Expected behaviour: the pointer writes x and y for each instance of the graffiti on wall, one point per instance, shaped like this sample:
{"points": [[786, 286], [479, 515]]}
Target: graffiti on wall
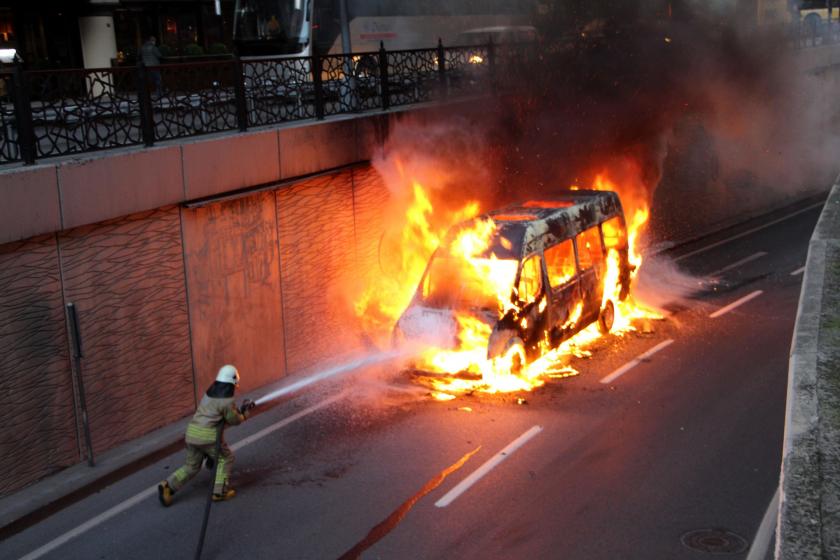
{"points": [[233, 277]]}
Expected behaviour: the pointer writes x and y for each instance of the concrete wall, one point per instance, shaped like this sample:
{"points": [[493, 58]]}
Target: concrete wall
{"points": [[71, 192]]}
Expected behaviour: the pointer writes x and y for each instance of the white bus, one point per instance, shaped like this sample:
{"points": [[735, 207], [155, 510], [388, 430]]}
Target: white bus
{"points": [[305, 27]]}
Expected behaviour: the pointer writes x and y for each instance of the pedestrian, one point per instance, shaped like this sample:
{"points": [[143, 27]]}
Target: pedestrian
{"points": [[216, 410], [150, 56]]}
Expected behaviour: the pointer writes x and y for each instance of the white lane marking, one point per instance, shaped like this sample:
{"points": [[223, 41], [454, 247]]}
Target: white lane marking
{"points": [[736, 303], [492, 463], [137, 498], [636, 361], [798, 271], [748, 232], [91, 523], [736, 264], [761, 541]]}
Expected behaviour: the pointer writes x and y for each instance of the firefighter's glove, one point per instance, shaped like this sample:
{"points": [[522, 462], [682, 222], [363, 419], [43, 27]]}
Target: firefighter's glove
{"points": [[246, 408]]}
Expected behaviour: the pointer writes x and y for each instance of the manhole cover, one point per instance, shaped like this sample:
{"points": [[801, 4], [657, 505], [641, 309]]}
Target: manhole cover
{"points": [[716, 541]]}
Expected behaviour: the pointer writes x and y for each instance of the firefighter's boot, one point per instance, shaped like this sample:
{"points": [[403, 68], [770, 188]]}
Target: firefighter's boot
{"points": [[227, 494], [165, 493]]}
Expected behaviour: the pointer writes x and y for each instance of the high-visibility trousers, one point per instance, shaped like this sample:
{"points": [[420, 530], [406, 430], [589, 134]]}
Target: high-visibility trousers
{"points": [[195, 456]]}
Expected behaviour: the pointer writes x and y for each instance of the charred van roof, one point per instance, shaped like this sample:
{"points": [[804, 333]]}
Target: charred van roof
{"points": [[525, 227]]}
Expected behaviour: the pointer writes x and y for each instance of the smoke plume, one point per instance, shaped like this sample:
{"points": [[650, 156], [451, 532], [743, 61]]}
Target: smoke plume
{"points": [[690, 103]]}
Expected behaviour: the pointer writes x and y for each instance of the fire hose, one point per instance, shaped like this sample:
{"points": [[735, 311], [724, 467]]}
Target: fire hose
{"points": [[217, 448], [247, 405]]}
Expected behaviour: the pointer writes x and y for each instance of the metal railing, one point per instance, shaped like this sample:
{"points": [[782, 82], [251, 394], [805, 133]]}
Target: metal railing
{"points": [[47, 113]]}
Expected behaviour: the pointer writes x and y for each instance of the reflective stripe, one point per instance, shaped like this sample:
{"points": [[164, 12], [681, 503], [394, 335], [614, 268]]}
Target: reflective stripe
{"points": [[201, 433], [221, 477], [180, 474]]}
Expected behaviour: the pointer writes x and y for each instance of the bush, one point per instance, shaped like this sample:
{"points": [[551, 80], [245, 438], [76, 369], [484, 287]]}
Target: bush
{"points": [[217, 48], [193, 50]]}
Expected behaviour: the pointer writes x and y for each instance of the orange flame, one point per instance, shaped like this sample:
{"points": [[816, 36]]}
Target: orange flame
{"points": [[463, 365]]}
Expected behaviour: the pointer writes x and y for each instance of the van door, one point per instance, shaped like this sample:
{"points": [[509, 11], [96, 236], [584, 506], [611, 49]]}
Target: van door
{"points": [[591, 268], [565, 289], [532, 299]]}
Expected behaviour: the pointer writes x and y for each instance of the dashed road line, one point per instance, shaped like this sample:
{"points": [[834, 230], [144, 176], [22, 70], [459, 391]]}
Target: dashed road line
{"points": [[636, 361], [488, 466], [737, 303], [798, 271], [736, 264]]}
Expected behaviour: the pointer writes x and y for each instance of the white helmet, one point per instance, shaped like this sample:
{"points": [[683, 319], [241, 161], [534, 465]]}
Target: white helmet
{"points": [[228, 374]]}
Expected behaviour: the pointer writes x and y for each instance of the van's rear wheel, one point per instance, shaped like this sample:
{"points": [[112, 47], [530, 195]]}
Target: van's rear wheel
{"points": [[606, 318]]}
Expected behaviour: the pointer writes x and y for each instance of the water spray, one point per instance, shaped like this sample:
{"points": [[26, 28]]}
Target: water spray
{"points": [[328, 373]]}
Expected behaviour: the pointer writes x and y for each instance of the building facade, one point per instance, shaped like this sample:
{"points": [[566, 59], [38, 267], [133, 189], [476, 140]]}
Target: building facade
{"points": [[97, 33]]}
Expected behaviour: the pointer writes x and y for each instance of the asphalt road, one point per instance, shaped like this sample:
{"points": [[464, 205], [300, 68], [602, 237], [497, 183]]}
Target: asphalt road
{"points": [[688, 439]]}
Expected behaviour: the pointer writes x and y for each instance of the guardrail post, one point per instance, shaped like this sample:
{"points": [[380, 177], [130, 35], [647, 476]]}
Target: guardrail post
{"points": [[441, 60], [23, 116], [384, 86], [144, 101], [239, 94], [318, 86]]}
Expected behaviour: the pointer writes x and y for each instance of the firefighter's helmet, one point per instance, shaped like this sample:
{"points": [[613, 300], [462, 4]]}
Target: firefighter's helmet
{"points": [[228, 374]]}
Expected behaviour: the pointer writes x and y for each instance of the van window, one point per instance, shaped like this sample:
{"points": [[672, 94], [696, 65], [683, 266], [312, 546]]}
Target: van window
{"points": [[615, 235], [560, 263], [589, 248], [530, 279]]}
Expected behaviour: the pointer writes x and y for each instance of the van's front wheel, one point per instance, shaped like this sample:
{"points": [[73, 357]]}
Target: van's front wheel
{"points": [[606, 317], [507, 351]]}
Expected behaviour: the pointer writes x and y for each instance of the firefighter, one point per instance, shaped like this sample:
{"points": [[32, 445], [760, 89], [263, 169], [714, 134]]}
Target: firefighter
{"points": [[215, 411]]}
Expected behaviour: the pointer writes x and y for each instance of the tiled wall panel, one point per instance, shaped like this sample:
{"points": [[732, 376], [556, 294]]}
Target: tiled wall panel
{"points": [[36, 391], [317, 257], [126, 276], [233, 274], [370, 198]]}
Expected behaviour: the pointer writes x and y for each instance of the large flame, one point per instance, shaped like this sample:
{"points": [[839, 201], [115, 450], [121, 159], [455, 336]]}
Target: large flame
{"points": [[463, 365]]}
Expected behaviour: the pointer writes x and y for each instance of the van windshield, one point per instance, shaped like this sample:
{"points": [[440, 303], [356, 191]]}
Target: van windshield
{"points": [[459, 283]]}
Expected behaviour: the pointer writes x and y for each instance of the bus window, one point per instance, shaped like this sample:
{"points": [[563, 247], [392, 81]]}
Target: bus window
{"points": [[590, 252], [560, 263], [615, 236], [530, 280]]}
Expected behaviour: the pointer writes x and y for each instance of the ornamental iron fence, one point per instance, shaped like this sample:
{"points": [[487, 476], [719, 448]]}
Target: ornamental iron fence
{"points": [[48, 113]]}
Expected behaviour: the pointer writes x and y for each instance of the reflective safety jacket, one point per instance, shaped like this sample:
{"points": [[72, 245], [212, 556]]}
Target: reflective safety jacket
{"points": [[216, 406]]}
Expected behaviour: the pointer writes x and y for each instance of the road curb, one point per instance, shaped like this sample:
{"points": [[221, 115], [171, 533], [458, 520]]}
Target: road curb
{"points": [[799, 530]]}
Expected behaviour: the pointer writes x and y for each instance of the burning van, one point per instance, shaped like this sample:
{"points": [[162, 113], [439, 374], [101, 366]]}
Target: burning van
{"points": [[508, 286]]}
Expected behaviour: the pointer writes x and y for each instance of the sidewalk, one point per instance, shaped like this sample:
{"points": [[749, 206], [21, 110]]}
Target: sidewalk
{"points": [[809, 509]]}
